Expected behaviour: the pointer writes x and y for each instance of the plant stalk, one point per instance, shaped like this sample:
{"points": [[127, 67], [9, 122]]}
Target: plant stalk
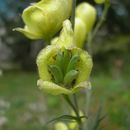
{"points": [[75, 106], [73, 14], [79, 121]]}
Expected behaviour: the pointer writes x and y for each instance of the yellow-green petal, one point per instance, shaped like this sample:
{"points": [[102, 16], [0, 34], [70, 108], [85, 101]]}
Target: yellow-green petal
{"points": [[81, 86], [28, 33], [66, 38], [84, 66], [52, 88], [44, 58]]}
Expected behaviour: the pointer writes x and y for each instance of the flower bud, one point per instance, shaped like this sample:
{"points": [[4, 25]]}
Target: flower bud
{"points": [[60, 126], [44, 19], [80, 32], [99, 1], [87, 14]]}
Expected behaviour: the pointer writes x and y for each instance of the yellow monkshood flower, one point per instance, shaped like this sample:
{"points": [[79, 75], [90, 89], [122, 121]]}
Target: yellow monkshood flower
{"points": [[99, 1], [60, 126], [63, 68], [87, 13], [44, 19]]}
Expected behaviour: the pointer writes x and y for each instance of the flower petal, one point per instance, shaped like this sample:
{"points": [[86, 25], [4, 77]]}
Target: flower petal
{"points": [[44, 58], [66, 38], [84, 66], [52, 88], [80, 86], [28, 33]]}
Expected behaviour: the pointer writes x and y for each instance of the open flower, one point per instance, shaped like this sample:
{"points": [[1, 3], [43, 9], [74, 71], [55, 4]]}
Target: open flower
{"points": [[44, 19], [63, 68]]}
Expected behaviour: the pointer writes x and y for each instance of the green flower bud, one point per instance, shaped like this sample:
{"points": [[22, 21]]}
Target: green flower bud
{"points": [[87, 14], [80, 32], [44, 19], [63, 68], [60, 126], [99, 1]]}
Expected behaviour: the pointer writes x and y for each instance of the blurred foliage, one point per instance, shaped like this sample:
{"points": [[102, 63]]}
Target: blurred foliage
{"points": [[21, 47], [26, 108]]}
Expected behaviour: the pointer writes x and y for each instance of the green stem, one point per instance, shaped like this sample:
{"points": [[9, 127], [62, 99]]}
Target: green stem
{"points": [[73, 14], [75, 101], [99, 24], [75, 110], [71, 104], [76, 104], [88, 101], [74, 107]]}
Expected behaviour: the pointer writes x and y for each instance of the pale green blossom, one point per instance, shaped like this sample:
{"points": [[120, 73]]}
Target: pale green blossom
{"points": [[44, 19], [60, 82]]}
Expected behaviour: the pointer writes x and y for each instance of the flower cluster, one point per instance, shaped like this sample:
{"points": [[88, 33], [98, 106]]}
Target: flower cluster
{"points": [[64, 68]]}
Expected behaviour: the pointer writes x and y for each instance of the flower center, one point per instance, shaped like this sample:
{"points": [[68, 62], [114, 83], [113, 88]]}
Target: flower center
{"points": [[64, 70]]}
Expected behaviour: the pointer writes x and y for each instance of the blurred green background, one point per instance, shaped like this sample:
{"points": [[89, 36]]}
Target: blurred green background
{"points": [[24, 107]]}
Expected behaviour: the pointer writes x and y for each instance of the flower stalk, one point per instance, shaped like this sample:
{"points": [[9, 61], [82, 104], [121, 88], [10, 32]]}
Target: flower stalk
{"points": [[74, 108], [75, 105]]}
